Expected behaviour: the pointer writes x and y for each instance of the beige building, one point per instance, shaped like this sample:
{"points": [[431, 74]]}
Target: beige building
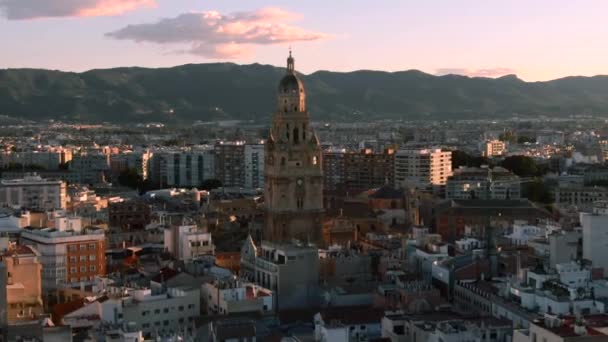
{"points": [[33, 192], [494, 148], [422, 167], [21, 279], [293, 172]]}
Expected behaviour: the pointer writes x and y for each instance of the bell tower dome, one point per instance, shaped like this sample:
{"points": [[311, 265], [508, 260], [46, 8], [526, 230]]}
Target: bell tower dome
{"points": [[292, 96]]}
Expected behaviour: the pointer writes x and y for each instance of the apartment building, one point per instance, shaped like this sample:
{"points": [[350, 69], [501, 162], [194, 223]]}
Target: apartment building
{"points": [[232, 296], [254, 166], [494, 148], [33, 192], [188, 242], [230, 163], [170, 311], [483, 183], [67, 257], [22, 295], [358, 171], [422, 167], [291, 271]]}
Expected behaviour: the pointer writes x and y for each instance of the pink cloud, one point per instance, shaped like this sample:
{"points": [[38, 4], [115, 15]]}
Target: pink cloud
{"points": [[488, 72], [33, 9], [215, 35]]}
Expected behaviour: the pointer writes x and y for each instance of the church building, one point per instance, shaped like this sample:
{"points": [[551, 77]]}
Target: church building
{"points": [[293, 173]]}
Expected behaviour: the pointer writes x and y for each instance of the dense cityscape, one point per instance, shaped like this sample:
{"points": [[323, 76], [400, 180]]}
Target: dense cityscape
{"points": [[306, 231], [323, 171]]}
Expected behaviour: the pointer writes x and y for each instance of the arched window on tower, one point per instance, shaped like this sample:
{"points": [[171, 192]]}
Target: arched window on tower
{"points": [[295, 108], [296, 136], [314, 160], [303, 132], [282, 161]]}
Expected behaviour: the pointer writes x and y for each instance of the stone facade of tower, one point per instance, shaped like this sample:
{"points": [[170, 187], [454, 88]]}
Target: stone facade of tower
{"points": [[293, 173]]}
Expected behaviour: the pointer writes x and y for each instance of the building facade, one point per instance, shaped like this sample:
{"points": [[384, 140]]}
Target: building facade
{"points": [[483, 183], [67, 257], [254, 166], [595, 235], [422, 168], [33, 192]]}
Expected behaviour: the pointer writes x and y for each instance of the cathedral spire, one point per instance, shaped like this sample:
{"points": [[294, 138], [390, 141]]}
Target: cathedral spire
{"points": [[290, 64]]}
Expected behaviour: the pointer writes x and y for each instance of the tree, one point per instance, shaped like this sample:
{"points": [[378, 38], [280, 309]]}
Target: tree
{"points": [[508, 136], [130, 178], [537, 191], [522, 166], [210, 184], [523, 139], [461, 158]]}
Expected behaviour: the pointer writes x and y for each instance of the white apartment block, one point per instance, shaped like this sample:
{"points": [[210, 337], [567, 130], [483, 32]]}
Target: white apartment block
{"points": [[161, 314], [33, 192], [188, 242], [595, 235], [254, 166], [422, 167], [231, 296], [67, 257], [290, 271]]}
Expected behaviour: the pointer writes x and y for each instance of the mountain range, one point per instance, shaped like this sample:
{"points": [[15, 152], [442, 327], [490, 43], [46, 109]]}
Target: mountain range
{"points": [[226, 91]]}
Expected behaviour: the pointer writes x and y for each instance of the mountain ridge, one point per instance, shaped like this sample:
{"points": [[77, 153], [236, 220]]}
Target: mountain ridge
{"points": [[216, 91]]}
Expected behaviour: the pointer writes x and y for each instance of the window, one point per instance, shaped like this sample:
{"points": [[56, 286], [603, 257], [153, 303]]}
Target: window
{"points": [[166, 310], [145, 313], [190, 306], [73, 280], [92, 257], [145, 325], [83, 247], [92, 268], [165, 323], [92, 246], [72, 269], [83, 258], [180, 308], [72, 259], [72, 248], [83, 268]]}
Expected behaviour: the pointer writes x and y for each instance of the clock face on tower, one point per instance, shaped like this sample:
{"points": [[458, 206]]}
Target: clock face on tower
{"points": [[300, 182]]}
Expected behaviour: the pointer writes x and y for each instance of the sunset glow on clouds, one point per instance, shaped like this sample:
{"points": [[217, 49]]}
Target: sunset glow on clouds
{"points": [[489, 72], [33, 9], [214, 35]]}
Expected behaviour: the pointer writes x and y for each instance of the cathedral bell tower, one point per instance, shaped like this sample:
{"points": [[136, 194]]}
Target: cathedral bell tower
{"points": [[293, 173]]}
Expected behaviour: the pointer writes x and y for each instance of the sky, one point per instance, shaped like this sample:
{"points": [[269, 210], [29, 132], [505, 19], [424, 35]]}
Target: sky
{"points": [[535, 39]]}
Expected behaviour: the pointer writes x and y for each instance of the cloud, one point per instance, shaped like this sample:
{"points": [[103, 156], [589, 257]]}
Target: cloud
{"points": [[33, 9], [490, 72], [214, 35]]}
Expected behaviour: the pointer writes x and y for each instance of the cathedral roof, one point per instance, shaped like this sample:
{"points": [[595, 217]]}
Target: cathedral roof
{"points": [[291, 83]]}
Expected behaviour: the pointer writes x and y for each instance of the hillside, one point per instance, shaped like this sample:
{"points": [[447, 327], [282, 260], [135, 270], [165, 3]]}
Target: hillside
{"points": [[229, 91]]}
